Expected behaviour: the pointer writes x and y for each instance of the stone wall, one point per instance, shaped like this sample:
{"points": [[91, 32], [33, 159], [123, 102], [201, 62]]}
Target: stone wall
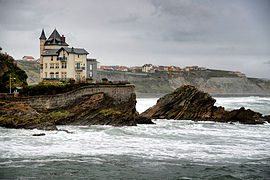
{"points": [[120, 93]]}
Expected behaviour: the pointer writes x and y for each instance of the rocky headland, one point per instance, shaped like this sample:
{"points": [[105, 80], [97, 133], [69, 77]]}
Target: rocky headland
{"points": [[189, 103], [89, 105]]}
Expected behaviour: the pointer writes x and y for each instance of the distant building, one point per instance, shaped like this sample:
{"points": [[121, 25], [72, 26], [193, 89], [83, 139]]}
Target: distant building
{"points": [[147, 68], [28, 58], [239, 74], [59, 61], [189, 68], [109, 68], [201, 68], [91, 69], [135, 69]]}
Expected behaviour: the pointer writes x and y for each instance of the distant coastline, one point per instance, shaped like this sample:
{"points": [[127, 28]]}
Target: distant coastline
{"points": [[218, 83]]}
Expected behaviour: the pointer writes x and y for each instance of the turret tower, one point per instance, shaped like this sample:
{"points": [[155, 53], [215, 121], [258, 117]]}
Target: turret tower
{"points": [[42, 41]]}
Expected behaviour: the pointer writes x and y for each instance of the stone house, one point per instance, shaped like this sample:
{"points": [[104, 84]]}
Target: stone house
{"points": [[60, 62]]}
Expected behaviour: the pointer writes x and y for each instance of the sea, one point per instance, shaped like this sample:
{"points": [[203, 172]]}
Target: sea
{"points": [[170, 149]]}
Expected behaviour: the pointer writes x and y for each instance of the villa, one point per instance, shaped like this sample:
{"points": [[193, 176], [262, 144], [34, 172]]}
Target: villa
{"points": [[60, 62]]}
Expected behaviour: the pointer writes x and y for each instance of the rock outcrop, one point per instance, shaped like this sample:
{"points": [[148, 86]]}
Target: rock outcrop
{"points": [[189, 103], [98, 105]]}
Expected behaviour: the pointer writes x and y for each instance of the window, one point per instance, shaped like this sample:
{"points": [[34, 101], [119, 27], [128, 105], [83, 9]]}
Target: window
{"points": [[91, 67], [90, 74], [56, 65], [52, 75], [78, 65], [64, 65], [51, 58], [45, 74], [46, 66], [78, 56], [51, 66], [64, 75], [57, 75]]}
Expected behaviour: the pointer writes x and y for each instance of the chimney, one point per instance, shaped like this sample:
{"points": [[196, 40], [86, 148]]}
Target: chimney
{"points": [[63, 39]]}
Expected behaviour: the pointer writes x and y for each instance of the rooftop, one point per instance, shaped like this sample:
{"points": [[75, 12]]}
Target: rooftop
{"points": [[54, 39], [55, 52]]}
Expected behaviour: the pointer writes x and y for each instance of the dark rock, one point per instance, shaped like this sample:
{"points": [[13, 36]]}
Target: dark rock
{"points": [[94, 109], [100, 109], [267, 118], [143, 120], [40, 134], [187, 102]]}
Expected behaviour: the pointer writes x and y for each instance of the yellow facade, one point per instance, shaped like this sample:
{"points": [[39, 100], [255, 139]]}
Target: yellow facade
{"points": [[61, 62]]}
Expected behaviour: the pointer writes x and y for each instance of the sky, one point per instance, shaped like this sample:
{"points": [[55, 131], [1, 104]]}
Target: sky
{"points": [[218, 34]]}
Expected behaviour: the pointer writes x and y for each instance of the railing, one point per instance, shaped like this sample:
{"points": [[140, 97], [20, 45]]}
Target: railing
{"points": [[79, 68], [54, 79], [62, 58]]}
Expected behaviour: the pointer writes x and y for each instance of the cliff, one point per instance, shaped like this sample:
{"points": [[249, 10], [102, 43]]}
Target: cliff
{"points": [[31, 69], [211, 81], [189, 103], [89, 105], [214, 82]]}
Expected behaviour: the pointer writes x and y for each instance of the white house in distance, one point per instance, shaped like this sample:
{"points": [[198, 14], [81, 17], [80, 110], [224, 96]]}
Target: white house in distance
{"points": [[60, 62], [147, 68]]}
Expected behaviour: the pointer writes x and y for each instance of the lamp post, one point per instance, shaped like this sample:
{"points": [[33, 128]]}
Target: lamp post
{"points": [[10, 82]]}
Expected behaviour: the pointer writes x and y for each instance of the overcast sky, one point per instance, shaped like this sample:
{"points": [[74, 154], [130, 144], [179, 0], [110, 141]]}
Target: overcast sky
{"points": [[219, 34]]}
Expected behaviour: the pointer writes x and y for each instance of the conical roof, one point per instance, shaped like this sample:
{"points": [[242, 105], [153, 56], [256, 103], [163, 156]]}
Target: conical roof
{"points": [[42, 36]]}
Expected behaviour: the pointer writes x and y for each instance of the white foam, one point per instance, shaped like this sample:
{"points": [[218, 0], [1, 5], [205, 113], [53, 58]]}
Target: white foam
{"points": [[168, 139]]}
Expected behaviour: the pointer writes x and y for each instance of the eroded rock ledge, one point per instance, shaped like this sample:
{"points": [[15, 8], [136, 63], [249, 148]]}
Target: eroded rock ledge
{"points": [[189, 103], [102, 105]]}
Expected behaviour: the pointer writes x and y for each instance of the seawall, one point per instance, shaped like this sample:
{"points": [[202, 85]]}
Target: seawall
{"points": [[88, 105], [119, 93]]}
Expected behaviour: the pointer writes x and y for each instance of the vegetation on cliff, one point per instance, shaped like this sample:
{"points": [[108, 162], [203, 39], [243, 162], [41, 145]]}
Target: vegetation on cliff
{"points": [[9, 68], [189, 103]]}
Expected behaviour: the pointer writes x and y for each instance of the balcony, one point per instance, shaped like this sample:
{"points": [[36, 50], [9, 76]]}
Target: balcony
{"points": [[79, 68], [61, 58]]}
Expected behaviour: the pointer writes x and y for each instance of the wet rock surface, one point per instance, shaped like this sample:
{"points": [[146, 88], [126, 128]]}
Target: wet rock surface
{"points": [[189, 103], [95, 109]]}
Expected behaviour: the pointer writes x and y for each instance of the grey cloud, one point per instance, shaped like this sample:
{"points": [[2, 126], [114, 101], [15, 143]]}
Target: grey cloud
{"points": [[218, 34], [131, 18], [267, 62]]}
